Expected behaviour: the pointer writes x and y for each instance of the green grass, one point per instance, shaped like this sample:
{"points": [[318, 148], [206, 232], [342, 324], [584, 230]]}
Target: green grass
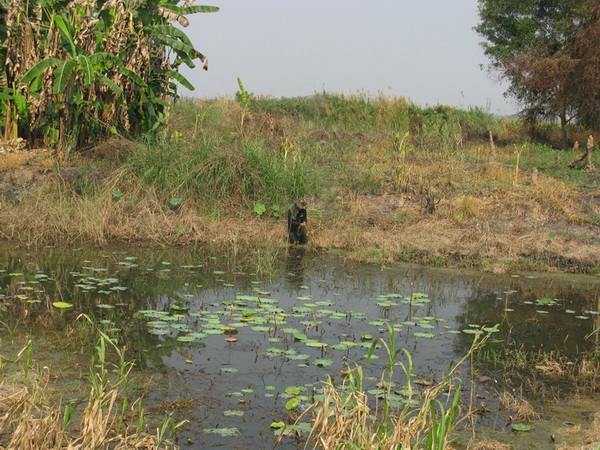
{"points": [[553, 162], [213, 172]]}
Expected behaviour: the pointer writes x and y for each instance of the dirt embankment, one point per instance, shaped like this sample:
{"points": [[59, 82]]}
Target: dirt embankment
{"points": [[498, 230]]}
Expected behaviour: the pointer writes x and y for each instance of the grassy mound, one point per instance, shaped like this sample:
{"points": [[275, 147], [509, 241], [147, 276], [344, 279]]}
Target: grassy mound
{"points": [[383, 178]]}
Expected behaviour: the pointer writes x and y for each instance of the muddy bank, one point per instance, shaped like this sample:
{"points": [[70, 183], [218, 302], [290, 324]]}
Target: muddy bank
{"points": [[530, 227]]}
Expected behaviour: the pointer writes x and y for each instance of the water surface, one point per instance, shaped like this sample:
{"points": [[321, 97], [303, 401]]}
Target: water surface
{"points": [[310, 317]]}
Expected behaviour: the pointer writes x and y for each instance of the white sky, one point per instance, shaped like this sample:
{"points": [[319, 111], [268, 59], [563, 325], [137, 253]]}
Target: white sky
{"points": [[424, 50]]}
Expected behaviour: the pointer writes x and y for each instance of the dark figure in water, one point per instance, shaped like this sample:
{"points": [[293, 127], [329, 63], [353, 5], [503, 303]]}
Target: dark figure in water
{"points": [[297, 224]]}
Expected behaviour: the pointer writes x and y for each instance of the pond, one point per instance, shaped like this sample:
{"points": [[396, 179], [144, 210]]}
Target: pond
{"points": [[227, 348]]}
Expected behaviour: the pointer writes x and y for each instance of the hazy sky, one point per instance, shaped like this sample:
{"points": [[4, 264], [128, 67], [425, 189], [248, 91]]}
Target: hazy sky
{"points": [[424, 50]]}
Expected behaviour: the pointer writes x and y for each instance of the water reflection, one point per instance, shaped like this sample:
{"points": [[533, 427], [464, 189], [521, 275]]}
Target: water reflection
{"points": [[295, 266]]}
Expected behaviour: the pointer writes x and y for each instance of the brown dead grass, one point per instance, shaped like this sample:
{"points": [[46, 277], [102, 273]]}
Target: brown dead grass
{"points": [[500, 228], [490, 444], [517, 406], [31, 419], [593, 433], [420, 211]]}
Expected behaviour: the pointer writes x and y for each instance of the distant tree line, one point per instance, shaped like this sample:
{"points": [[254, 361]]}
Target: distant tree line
{"points": [[76, 71], [549, 51]]}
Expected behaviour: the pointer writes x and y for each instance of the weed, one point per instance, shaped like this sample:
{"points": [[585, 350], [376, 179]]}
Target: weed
{"points": [[244, 98], [518, 406], [466, 208], [360, 159]]}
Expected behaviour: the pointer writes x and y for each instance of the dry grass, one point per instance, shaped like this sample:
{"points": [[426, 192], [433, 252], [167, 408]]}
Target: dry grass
{"points": [[591, 436], [347, 419], [501, 228], [30, 424], [383, 200], [31, 418], [517, 406], [343, 419], [593, 433], [467, 208], [489, 444], [12, 160]]}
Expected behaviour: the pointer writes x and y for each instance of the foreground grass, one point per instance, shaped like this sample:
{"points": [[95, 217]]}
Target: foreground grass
{"points": [[108, 416], [384, 179], [401, 416]]}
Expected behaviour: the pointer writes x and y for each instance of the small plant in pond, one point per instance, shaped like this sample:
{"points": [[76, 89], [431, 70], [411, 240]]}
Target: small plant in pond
{"points": [[520, 427]]}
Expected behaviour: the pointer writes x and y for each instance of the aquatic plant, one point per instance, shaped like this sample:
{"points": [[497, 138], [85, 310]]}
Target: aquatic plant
{"points": [[399, 416]]}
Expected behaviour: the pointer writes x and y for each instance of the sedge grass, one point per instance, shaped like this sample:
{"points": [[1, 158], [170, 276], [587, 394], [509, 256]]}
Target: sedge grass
{"points": [[213, 172]]}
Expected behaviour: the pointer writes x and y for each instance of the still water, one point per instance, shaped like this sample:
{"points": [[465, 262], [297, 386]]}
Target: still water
{"points": [[226, 345]]}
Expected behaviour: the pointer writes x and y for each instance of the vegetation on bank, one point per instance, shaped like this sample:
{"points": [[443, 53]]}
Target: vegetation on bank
{"points": [[383, 178], [548, 55]]}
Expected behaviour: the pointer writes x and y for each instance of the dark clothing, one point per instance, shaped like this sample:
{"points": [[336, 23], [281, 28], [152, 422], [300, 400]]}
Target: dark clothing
{"points": [[297, 225]]}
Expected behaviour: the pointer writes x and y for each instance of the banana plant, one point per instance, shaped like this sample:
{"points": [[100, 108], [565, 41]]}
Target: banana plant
{"points": [[111, 65]]}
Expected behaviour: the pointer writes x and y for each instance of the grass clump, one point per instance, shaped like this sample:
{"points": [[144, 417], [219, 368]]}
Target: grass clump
{"points": [[214, 173]]}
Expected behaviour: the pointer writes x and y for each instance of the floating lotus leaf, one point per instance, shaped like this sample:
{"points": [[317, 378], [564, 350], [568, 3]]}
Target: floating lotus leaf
{"points": [[321, 362], [520, 427], [424, 335], [62, 305]]}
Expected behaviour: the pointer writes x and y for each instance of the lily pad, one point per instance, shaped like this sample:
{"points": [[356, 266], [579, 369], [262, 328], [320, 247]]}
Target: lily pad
{"points": [[225, 432], [62, 305], [520, 427], [292, 404], [321, 362], [424, 335]]}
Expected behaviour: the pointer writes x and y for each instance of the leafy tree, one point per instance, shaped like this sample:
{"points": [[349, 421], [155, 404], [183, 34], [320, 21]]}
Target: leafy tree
{"points": [[542, 47], [77, 71]]}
